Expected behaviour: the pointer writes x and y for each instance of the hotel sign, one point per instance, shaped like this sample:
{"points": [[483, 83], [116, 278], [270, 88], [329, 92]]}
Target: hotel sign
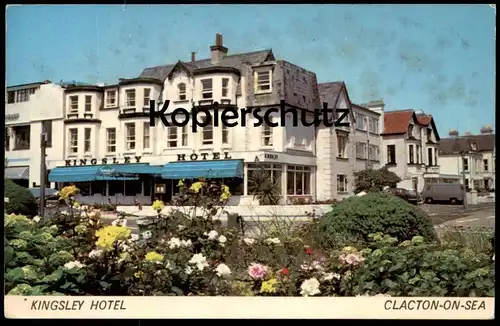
{"points": [[104, 161], [203, 156]]}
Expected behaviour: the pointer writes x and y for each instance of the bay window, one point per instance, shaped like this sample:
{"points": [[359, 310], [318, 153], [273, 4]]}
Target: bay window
{"points": [[298, 180]]}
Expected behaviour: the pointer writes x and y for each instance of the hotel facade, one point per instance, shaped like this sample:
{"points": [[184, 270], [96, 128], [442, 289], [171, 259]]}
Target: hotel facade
{"points": [[102, 141]]}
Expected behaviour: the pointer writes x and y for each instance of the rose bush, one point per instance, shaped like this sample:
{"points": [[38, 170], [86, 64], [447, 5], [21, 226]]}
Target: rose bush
{"points": [[189, 252]]}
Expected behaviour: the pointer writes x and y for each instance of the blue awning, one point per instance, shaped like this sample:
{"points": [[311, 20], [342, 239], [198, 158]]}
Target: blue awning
{"points": [[17, 173], [215, 169], [102, 172]]}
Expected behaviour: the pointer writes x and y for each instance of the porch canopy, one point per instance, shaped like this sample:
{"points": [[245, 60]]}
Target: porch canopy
{"points": [[215, 169], [102, 172]]}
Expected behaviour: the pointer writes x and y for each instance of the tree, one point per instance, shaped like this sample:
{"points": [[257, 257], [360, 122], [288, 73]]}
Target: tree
{"points": [[375, 180]]}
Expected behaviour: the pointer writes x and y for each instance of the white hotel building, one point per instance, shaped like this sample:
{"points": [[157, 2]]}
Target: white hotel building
{"points": [[101, 139]]}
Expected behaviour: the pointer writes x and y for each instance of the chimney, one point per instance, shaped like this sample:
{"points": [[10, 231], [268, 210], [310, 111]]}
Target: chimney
{"points": [[218, 50], [467, 134], [453, 133], [193, 56]]}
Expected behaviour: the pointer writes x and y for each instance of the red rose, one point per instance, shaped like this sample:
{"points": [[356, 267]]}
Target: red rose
{"points": [[309, 250], [284, 271]]}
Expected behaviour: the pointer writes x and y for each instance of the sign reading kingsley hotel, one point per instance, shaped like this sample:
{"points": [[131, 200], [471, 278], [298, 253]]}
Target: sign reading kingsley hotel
{"points": [[104, 161]]}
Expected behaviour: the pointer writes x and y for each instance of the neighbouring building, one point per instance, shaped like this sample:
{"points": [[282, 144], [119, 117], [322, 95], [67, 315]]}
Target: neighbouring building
{"points": [[469, 158], [342, 151], [410, 148], [30, 110]]}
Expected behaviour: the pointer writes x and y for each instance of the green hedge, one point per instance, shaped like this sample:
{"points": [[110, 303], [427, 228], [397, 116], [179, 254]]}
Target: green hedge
{"points": [[356, 217], [21, 200]]}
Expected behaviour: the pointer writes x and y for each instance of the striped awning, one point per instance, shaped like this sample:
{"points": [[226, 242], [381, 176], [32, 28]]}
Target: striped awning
{"points": [[17, 172]]}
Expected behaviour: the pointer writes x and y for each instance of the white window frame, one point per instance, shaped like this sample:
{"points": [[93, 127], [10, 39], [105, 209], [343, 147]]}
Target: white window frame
{"points": [[360, 122], [172, 137], [148, 97], [88, 103], [22, 95], [205, 141], [73, 104], [358, 146], [342, 185], [306, 172], [266, 135], [184, 136], [486, 165], [130, 141], [111, 98], [225, 134], [225, 87], [111, 140], [73, 141], [146, 136], [373, 153], [263, 85], [465, 160], [207, 88], [87, 140], [129, 101], [342, 150], [181, 92]]}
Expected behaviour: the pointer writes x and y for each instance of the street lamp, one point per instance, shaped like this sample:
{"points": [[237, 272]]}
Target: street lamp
{"points": [[463, 150]]}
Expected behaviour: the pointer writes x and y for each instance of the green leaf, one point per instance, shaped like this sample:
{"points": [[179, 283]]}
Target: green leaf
{"points": [[8, 252]]}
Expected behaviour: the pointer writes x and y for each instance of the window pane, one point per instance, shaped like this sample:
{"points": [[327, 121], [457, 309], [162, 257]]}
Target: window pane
{"points": [[290, 183]]}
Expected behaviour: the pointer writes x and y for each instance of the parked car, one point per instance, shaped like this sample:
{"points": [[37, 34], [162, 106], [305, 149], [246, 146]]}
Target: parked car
{"points": [[410, 196], [453, 193]]}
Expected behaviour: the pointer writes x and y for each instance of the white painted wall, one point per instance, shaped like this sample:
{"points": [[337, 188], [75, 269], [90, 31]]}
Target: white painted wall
{"points": [[45, 104]]}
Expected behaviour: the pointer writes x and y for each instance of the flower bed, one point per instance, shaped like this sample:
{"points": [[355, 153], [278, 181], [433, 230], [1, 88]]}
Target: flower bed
{"points": [[188, 253]]}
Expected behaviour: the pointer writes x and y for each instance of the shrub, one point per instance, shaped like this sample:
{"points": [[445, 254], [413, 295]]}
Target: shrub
{"points": [[21, 200], [375, 180], [264, 189], [357, 217]]}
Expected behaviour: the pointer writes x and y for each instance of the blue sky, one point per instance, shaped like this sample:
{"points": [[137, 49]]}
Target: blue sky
{"points": [[435, 58]]}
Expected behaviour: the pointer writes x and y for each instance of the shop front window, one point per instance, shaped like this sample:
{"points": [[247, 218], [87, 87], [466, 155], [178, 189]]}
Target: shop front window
{"points": [[298, 180]]}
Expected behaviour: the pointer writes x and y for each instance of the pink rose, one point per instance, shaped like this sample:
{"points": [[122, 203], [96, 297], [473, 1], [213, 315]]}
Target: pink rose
{"points": [[352, 259], [257, 271]]}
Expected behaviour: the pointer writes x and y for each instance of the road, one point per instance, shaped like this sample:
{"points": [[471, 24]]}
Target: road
{"points": [[482, 215]]}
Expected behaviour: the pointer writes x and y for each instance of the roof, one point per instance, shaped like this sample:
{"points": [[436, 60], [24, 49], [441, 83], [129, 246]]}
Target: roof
{"points": [[231, 61], [329, 92], [34, 84], [396, 122], [424, 119], [450, 146]]}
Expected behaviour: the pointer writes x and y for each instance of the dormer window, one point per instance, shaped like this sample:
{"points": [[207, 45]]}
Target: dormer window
{"points": [[181, 91], [130, 96], [73, 104], [206, 88], [111, 98], [262, 81], [473, 146], [410, 131]]}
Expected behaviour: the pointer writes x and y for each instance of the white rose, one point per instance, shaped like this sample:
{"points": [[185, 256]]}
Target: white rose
{"points": [[174, 243], [272, 241], [181, 227], [188, 270], [249, 241], [6, 199], [212, 235], [186, 243], [310, 287], [147, 235], [36, 219], [222, 239], [73, 264], [222, 270], [96, 253], [199, 260]]}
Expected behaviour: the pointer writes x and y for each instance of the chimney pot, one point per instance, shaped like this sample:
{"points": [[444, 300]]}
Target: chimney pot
{"points": [[218, 39], [193, 56]]}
